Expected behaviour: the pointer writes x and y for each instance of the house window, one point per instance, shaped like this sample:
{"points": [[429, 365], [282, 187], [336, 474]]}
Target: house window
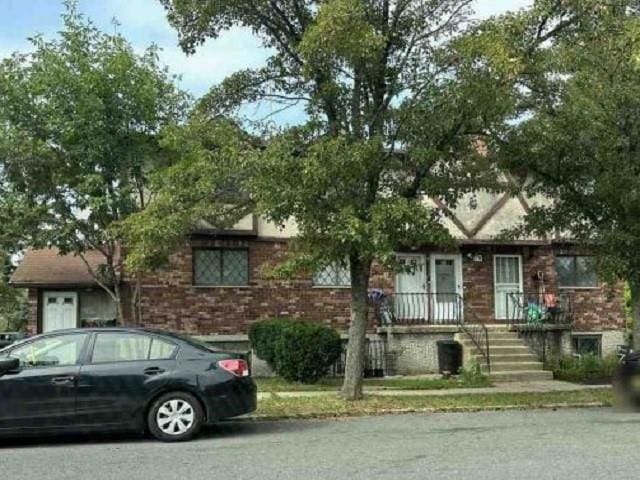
{"points": [[333, 275], [587, 345], [220, 267], [576, 271]]}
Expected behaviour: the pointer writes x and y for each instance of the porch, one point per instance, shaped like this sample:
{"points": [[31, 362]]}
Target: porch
{"points": [[522, 309], [512, 347]]}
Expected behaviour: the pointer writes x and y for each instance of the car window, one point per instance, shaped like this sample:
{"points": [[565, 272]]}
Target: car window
{"points": [[120, 347], [161, 349], [54, 351]]}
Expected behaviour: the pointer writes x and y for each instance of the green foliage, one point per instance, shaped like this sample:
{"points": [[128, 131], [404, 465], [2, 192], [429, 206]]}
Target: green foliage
{"points": [[13, 302], [81, 116], [472, 375], [394, 110], [576, 91], [205, 188], [584, 369], [298, 351], [263, 336], [341, 35], [304, 352]]}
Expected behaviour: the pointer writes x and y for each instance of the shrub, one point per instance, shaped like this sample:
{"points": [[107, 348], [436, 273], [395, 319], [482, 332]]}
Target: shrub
{"points": [[584, 369], [472, 375], [304, 352], [263, 336]]}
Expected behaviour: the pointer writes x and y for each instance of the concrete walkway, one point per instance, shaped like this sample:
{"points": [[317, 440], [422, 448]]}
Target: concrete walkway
{"points": [[546, 386]]}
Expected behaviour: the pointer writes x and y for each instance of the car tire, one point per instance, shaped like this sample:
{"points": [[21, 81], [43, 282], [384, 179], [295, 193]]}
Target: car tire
{"points": [[175, 417]]}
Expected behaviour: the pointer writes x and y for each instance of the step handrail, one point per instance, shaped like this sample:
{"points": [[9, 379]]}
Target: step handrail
{"points": [[477, 332]]}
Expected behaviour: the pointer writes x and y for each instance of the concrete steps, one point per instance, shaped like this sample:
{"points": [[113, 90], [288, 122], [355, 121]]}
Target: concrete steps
{"points": [[511, 359]]}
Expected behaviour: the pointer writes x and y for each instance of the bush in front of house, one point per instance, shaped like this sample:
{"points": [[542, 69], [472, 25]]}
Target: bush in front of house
{"points": [[263, 336], [296, 350], [584, 369], [305, 352]]}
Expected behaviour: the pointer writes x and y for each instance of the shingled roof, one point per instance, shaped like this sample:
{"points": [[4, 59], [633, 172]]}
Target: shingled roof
{"points": [[47, 268]]}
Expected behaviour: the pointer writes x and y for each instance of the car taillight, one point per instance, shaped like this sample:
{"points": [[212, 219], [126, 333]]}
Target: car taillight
{"points": [[236, 366]]}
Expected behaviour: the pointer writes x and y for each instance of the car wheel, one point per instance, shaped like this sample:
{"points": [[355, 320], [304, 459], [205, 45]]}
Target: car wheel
{"points": [[175, 417]]}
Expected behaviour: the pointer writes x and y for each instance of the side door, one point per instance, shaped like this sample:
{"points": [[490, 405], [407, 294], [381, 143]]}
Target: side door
{"points": [[42, 393], [122, 372], [60, 311]]}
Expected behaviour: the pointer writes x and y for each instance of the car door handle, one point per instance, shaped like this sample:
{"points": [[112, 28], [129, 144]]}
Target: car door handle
{"points": [[64, 381], [153, 371]]}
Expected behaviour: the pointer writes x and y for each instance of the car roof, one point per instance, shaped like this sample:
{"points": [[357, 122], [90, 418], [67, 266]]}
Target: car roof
{"points": [[108, 329]]}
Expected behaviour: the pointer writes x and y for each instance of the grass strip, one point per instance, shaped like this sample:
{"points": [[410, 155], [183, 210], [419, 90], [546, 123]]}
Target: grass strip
{"points": [[333, 384], [333, 407]]}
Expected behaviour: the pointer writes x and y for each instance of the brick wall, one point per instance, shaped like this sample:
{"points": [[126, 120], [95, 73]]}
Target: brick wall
{"points": [[596, 309], [171, 301], [32, 316]]}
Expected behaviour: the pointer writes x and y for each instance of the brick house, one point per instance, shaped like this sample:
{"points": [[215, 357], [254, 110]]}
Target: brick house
{"points": [[214, 287]]}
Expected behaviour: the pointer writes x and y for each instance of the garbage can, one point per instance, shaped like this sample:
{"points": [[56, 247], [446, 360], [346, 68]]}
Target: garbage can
{"points": [[449, 356]]}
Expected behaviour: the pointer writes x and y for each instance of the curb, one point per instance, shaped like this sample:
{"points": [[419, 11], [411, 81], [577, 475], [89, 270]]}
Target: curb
{"points": [[402, 411]]}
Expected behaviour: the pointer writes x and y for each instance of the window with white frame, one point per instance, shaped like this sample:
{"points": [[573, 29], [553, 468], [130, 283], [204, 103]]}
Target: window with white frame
{"points": [[333, 275], [220, 267], [576, 271]]}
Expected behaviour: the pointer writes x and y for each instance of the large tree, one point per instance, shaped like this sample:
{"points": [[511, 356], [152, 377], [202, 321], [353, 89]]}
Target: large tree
{"points": [[392, 113], [79, 121], [577, 141]]}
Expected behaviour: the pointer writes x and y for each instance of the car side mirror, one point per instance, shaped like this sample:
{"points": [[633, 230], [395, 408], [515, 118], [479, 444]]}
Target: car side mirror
{"points": [[9, 365]]}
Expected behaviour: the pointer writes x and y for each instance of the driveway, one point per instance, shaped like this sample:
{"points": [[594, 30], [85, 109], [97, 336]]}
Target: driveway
{"points": [[595, 443]]}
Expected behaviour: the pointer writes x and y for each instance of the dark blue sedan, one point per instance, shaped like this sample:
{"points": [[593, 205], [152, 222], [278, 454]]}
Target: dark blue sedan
{"points": [[120, 379]]}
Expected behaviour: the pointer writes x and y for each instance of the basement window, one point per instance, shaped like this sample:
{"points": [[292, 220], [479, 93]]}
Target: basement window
{"points": [[587, 345]]}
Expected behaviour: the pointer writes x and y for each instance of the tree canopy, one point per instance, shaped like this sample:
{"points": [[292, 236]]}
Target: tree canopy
{"points": [[79, 122], [394, 110], [576, 95]]}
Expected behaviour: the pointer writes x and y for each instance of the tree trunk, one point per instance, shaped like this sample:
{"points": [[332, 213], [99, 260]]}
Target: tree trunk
{"points": [[354, 369], [634, 288], [120, 305], [136, 302]]}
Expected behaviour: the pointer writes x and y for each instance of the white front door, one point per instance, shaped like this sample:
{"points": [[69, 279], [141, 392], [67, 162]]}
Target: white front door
{"points": [[507, 272], [60, 311], [446, 287], [411, 302]]}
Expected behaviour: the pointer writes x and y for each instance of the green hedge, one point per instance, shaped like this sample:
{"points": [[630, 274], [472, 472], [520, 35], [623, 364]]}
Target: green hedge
{"points": [[297, 351], [263, 336], [584, 369]]}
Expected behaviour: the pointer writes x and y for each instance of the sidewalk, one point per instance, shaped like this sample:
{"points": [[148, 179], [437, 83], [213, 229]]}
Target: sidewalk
{"points": [[510, 387]]}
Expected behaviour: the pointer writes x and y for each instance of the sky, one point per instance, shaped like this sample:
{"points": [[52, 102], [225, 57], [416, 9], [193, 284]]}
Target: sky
{"points": [[143, 22]]}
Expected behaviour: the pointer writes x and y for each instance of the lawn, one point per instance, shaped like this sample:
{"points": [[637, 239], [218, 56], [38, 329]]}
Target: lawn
{"points": [[331, 384], [329, 406]]}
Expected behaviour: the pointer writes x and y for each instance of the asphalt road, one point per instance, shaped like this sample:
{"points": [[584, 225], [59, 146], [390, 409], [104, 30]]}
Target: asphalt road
{"points": [[565, 444]]}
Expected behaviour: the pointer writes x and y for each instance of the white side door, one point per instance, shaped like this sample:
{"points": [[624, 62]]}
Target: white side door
{"points": [[507, 274], [60, 311], [446, 287], [410, 303]]}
